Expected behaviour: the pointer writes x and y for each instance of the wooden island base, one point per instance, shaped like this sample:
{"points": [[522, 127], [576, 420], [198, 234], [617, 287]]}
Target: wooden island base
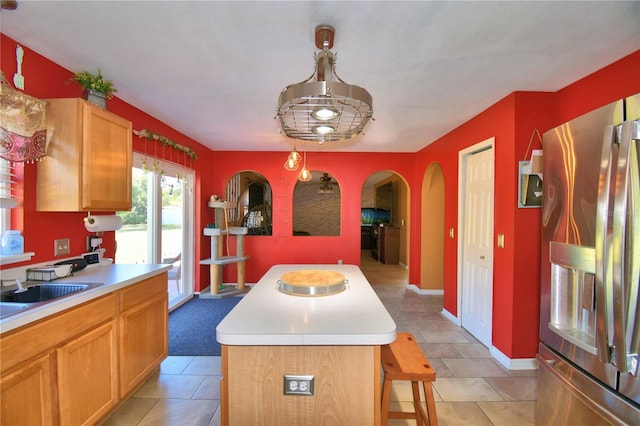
{"points": [[347, 385]]}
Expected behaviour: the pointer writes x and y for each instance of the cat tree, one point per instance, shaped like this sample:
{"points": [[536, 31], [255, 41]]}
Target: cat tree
{"points": [[217, 260]]}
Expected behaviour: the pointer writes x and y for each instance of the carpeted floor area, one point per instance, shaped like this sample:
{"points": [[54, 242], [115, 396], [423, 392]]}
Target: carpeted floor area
{"points": [[192, 327]]}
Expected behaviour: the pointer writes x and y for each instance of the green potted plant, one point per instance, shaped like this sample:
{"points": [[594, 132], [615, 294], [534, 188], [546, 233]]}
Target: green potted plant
{"points": [[95, 88]]}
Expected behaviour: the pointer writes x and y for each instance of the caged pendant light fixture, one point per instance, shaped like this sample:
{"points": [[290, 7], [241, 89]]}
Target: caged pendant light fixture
{"points": [[324, 108]]}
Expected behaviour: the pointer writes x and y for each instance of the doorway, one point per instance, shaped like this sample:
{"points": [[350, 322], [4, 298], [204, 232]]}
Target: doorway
{"points": [[159, 227], [475, 242], [385, 200]]}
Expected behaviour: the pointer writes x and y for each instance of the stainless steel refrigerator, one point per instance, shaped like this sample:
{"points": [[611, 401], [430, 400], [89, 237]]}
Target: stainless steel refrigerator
{"points": [[589, 314]]}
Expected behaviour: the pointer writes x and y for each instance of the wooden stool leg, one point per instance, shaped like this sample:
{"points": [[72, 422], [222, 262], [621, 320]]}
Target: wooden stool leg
{"points": [[431, 403], [416, 403], [386, 400]]}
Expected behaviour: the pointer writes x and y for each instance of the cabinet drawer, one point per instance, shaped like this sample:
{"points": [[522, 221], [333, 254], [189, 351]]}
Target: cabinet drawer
{"points": [[29, 341], [143, 291]]}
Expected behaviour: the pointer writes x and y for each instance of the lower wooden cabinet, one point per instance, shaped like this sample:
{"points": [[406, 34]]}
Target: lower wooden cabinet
{"points": [[388, 244], [26, 395], [144, 309], [88, 376], [74, 367]]}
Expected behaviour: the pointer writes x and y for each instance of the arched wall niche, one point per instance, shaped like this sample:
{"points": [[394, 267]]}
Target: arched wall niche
{"points": [[433, 229], [251, 192], [317, 206]]}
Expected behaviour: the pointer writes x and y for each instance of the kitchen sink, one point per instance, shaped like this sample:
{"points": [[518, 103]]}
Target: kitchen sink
{"points": [[41, 293], [11, 308]]}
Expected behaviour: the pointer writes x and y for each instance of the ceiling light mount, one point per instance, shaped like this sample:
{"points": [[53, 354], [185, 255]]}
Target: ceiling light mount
{"points": [[324, 36], [324, 107]]}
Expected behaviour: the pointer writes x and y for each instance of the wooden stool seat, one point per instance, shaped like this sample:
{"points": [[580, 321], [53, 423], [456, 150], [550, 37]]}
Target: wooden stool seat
{"points": [[403, 360]]}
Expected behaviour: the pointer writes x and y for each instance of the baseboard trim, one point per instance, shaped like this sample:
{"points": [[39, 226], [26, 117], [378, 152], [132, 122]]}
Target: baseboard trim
{"points": [[448, 315], [513, 364], [428, 292]]}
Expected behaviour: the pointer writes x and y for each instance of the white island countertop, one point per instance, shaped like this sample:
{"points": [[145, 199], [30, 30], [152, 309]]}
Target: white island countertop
{"points": [[102, 279], [266, 316]]}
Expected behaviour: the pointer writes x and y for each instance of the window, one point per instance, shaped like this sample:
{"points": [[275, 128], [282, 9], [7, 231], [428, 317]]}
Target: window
{"points": [[7, 202]]}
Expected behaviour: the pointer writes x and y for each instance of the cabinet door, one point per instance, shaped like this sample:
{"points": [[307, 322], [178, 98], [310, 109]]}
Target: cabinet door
{"points": [[143, 341], [391, 245], [87, 376], [106, 160], [26, 395], [382, 237]]}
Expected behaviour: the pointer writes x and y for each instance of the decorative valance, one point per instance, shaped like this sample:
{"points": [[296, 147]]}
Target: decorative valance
{"points": [[23, 124], [185, 150]]}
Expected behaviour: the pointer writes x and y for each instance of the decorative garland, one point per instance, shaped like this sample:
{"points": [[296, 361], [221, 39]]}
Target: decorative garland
{"points": [[144, 133]]}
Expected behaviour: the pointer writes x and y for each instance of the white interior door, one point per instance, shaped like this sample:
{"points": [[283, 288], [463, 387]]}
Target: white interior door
{"points": [[477, 245]]}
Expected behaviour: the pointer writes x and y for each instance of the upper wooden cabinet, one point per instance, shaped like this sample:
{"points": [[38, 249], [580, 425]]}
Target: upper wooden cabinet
{"points": [[88, 162]]}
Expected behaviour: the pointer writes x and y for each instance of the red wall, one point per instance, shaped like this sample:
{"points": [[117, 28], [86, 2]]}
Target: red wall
{"points": [[511, 121], [350, 170]]}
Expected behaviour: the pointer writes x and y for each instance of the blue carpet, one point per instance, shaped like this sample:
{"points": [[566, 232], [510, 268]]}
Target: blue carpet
{"points": [[192, 327]]}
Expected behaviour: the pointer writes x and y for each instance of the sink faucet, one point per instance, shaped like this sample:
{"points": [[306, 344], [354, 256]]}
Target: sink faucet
{"points": [[20, 289]]}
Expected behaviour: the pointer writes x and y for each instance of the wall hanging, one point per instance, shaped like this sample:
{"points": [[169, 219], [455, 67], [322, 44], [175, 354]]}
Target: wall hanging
{"points": [[22, 125], [185, 151], [530, 177]]}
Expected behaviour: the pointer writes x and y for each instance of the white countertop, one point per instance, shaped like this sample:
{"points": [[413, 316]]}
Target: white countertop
{"points": [[266, 316], [109, 277]]}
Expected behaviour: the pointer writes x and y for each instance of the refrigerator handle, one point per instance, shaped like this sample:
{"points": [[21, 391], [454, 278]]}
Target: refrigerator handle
{"points": [[624, 251], [633, 251], [604, 314]]}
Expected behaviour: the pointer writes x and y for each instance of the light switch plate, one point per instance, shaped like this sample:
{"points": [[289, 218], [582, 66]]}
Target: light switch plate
{"points": [[61, 247]]}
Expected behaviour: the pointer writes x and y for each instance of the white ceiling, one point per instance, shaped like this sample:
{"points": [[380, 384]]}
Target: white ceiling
{"points": [[213, 70]]}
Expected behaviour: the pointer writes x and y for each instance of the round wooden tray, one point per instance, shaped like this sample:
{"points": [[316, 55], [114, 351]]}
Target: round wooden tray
{"points": [[312, 282]]}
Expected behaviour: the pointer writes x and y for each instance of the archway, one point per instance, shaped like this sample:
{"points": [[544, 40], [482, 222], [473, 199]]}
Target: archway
{"points": [[433, 233], [251, 192], [317, 206], [385, 200]]}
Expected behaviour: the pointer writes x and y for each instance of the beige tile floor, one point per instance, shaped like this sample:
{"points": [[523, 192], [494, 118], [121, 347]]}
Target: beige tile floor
{"points": [[471, 387]]}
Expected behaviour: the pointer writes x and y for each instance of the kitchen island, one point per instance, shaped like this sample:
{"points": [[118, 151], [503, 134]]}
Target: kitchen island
{"points": [[335, 339]]}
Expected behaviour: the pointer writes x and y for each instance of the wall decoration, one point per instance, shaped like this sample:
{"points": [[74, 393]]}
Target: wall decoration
{"points": [[529, 184], [144, 133], [23, 125], [530, 177]]}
